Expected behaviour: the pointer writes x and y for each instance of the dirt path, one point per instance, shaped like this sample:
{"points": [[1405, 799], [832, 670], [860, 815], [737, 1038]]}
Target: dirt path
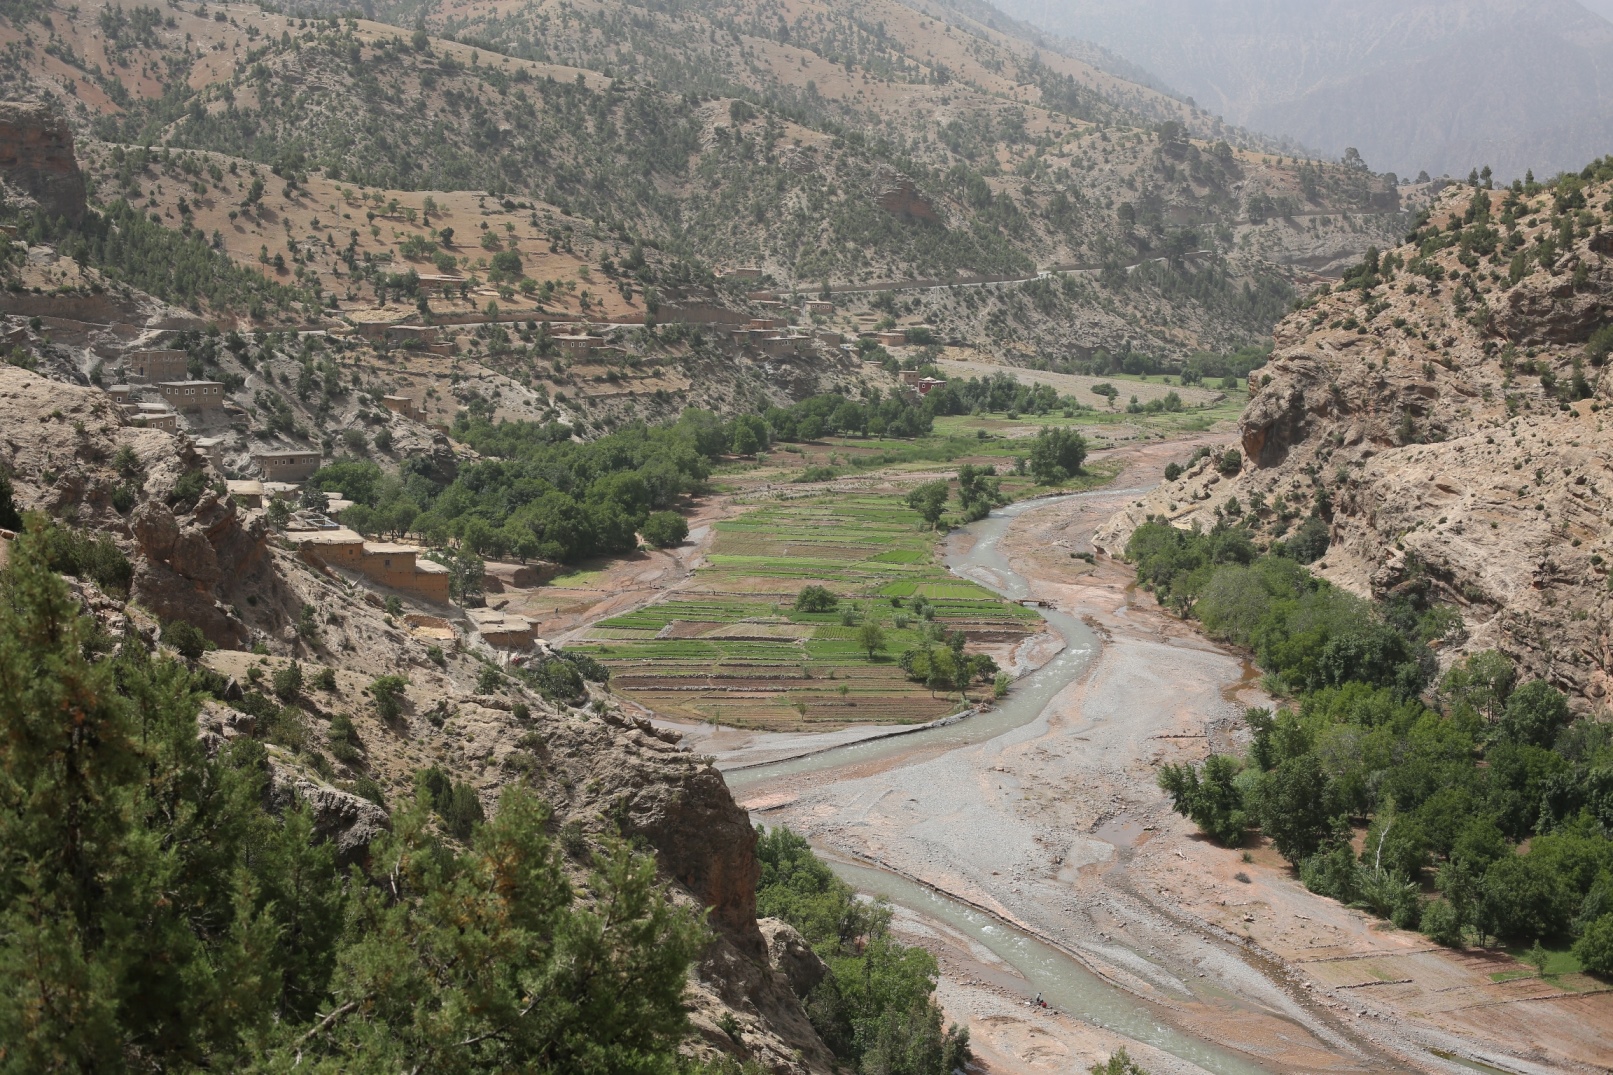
{"points": [[1060, 829]]}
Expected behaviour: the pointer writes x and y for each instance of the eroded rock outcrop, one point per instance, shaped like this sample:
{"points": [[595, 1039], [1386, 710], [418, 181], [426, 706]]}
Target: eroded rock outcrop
{"points": [[1449, 424], [901, 199], [350, 822], [36, 157], [791, 955], [195, 559]]}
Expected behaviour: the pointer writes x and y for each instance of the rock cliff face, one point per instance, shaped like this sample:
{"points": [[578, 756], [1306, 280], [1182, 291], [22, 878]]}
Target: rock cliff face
{"points": [[901, 199], [1449, 422], [36, 157]]}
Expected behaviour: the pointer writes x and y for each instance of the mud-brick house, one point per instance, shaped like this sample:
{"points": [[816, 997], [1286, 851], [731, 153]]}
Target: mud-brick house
{"points": [[398, 567], [287, 465], [192, 395], [156, 366]]}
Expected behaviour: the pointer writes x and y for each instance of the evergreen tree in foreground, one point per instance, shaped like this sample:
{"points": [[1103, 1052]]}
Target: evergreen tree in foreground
{"points": [[153, 916]]}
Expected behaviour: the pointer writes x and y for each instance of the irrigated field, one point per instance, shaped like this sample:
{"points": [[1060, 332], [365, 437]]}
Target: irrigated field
{"points": [[730, 647]]}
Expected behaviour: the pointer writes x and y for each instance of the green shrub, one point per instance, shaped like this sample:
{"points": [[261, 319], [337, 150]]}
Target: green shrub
{"points": [[84, 555], [456, 803], [187, 490], [1442, 924], [365, 787], [665, 529], [557, 679], [287, 682], [185, 639], [10, 518], [1213, 801], [1535, 713], [1594, 948], [876, 1009], [1600, 345], [1119, 1063], [816, 599], [1332, 873], [388, 694], [1057, 454], [343, 738]]}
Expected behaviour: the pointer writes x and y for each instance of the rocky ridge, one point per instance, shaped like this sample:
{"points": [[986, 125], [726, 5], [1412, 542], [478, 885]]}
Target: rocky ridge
{"points": [[1444, 411]]}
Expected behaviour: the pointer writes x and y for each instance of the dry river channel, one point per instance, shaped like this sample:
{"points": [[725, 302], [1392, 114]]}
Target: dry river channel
{"points": [[1029, 848]]}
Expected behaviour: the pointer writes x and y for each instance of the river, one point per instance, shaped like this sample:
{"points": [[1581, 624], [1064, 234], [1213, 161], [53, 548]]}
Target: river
{"points": [[1062, 980]]}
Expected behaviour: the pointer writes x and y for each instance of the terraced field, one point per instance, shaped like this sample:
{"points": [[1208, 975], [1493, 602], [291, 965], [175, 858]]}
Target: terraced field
{"points": [[729, 646]]}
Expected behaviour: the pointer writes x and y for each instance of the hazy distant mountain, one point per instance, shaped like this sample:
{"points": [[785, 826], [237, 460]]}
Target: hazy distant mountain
{"points": [[1603, 8], [1438, 84]]}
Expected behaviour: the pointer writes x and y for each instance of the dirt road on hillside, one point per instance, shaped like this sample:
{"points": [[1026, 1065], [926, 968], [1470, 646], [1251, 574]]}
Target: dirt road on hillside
{"points": [[1059, 829]]}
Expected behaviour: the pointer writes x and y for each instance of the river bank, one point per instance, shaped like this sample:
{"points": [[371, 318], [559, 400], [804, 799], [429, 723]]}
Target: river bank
{"points": [[1057, 829]]}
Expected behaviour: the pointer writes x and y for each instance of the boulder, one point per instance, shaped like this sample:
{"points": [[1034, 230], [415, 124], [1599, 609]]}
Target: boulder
{"points": [[791, 956]]}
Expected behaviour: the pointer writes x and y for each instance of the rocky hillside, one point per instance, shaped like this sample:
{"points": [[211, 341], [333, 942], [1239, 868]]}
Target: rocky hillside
{"points": [[1389, 77], [625, 155], [162, 543], [1434, 429]]}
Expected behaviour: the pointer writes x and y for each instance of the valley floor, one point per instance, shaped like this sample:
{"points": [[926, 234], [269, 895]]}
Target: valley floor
{"points": [[1046, 860], [1058, 830]]}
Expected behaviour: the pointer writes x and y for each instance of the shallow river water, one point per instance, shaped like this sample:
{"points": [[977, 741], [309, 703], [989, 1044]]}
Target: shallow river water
{"points": [[1062, 980]]}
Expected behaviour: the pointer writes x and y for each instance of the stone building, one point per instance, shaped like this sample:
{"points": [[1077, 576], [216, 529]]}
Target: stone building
{"points": [[247, 493], [891, 339], [503, 630], [398, 567], [213, 448], [152, 416], [403, 405], [287, 465], [577, 345], [192, 395], [157, 366]]}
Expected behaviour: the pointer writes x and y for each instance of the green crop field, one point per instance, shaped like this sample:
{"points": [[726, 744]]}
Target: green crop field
{"points": [[731, 647]]}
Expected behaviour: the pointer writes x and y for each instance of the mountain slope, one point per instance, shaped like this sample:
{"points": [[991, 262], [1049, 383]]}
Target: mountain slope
{"points": [[1516, 85], [1442, 417], [821, 143]]}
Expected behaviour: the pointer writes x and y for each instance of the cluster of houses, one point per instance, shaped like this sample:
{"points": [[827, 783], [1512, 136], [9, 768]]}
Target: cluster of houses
{"points": [[398, 567], [159, 390], [162, 374]]}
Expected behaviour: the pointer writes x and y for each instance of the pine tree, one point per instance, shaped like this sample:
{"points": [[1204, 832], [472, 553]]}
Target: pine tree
{"points": [[153, 916], [482, 963], [127, 933]]}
